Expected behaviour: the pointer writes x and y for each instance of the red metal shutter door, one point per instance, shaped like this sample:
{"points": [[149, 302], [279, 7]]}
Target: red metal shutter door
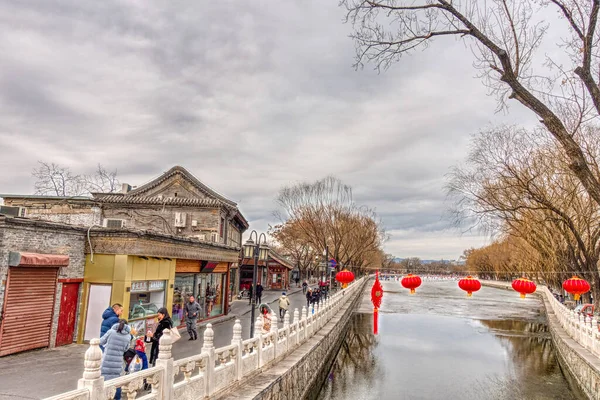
{"points": [[68, 311], [28, 309]]}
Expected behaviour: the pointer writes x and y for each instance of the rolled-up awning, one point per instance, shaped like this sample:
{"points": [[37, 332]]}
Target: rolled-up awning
{"points": [[19, 259]]}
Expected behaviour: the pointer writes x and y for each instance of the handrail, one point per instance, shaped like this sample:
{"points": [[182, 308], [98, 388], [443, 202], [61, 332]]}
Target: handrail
{"points": [[218, 368]]}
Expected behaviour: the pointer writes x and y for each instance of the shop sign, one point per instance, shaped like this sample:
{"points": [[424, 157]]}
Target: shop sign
{"points": [[156, 285], [139, 286]]}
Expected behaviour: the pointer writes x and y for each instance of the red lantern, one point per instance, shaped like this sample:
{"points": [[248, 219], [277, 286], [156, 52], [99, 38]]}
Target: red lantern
{"points": [[469, 285], [523, 286], [576, 286], [411, 282], [344, 277], [376, 295]]}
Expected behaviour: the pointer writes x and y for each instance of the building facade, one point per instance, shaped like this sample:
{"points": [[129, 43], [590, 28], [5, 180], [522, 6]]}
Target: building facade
{"points": [[273, 274], [149, 247], [41, 273]]}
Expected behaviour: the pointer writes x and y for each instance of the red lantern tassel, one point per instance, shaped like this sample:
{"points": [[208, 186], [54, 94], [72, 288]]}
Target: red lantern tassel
{"points": [[375, 321]]}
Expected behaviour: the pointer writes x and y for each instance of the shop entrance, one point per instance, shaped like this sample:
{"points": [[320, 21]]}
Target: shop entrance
{"points": [[68, 312], [28, 309], [98, 301]]}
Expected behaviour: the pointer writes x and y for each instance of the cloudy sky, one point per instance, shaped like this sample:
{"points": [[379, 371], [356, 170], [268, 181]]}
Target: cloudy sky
{"points": [[249, 96]]}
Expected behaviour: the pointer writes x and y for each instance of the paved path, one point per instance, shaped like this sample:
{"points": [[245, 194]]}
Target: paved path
{"points": [[43, 373]]}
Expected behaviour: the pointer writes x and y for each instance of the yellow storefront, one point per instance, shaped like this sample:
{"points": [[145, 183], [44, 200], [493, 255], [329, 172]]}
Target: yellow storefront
{"points": [[141, 284]]}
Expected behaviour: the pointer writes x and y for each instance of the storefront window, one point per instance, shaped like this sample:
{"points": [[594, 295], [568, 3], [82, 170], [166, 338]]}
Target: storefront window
{"points": [[183, 289], [212, 293], [146, 297]]}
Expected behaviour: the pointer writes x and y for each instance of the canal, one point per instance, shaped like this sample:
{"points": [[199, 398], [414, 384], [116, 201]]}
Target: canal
{"points": [[439, 344]]}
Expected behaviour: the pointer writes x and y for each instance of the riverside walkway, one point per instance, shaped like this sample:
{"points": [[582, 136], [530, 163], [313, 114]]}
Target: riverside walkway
{"points": [[214, 371], [57, 370]]}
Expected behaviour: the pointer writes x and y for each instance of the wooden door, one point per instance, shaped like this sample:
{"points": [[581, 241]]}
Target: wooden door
{"points": [[28, 309], [67, 314]]}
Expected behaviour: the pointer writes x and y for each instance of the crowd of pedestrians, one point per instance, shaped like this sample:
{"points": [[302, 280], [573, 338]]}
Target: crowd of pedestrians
{"points": [[117, 336], [315, 295]]}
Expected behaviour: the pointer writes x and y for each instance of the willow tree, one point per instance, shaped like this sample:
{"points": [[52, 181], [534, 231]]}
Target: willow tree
{"points": [[323, 215], [516, 180], [505, 37]]}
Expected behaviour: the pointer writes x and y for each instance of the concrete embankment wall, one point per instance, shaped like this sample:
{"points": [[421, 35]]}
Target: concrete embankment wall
{"points": [[301, 374], [582, 369]]}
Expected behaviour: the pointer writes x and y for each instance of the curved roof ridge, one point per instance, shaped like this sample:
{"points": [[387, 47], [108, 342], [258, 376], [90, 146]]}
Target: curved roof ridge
{"points": [[179, 169]]}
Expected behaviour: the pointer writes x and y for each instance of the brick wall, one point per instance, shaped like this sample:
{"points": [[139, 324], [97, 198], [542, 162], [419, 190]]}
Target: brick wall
{"points": [[162, 220], [23, 235]]}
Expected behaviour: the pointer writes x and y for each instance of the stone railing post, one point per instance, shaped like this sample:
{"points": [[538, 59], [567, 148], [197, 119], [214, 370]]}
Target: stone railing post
{"points": [[239, 353], [165, 360], [286, 327], [258, 325], [298, 326], [317, 317], [92, 379], [208, 347], [274, 333], [304, 322]]}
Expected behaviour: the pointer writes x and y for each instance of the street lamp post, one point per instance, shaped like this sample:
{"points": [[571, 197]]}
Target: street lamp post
{"points": [[257, 250], [326, 254]]}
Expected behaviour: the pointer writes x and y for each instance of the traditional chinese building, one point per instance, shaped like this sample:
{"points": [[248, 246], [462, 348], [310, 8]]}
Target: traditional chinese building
{"points": [[274, 274], [149, 247]]}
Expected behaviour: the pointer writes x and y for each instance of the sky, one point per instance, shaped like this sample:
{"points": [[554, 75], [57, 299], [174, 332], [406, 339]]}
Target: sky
{"points": [[249, 97]]}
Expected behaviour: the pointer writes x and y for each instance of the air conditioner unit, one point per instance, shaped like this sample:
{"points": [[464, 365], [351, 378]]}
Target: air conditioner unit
{"points": [[13, 211], [214, 237], [113, 223], [194, 223], [180, 219], [200, 237]]}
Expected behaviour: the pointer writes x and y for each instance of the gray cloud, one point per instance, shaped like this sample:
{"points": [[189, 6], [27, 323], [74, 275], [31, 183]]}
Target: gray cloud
{"points": [[249, 96]]}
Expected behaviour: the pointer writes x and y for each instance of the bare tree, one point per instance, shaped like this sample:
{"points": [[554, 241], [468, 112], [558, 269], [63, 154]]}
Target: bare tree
{"points": [[102, 181], [519, 183], [323, 215], [504, 36], [53, 179], [57, 180]]}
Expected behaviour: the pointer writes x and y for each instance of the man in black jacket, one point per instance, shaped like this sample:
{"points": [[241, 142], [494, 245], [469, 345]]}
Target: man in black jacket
{"points": [[259, 291]]}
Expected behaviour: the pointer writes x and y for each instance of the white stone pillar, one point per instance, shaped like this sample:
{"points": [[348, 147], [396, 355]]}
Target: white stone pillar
{"points": [[298, 326], [286, 327], [209, 348], [317, 317], [92, 379], [304, 321], [165, 360], [238, 341], [258, 325], [274, 333]]}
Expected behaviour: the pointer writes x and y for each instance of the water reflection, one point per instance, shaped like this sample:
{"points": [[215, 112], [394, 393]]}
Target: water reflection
{"points": [[426, 356]]}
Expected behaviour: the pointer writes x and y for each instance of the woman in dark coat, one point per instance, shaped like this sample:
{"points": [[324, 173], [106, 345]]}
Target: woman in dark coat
{"points": [[164, 322]]}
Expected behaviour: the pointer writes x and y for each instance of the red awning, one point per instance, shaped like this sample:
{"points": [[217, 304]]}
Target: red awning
{"points": [[16, 259], [207, 266]]}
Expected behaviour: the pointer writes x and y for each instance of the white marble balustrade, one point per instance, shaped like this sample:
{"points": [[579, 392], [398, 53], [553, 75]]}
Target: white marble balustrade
{"points": [[214, 370], [581, 328]]}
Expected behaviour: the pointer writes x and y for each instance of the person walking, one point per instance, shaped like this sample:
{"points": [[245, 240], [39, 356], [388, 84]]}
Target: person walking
{"points": [[304, 287], [191, 310], [250, 295], [297, 282], [164, 322], [110, 317], [309, 296], [284, 304], [259, 292], [115, 341]]}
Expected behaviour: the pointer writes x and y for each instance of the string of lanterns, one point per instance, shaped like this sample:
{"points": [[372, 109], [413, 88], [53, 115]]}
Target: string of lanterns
{"points": [[575, 285]]}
